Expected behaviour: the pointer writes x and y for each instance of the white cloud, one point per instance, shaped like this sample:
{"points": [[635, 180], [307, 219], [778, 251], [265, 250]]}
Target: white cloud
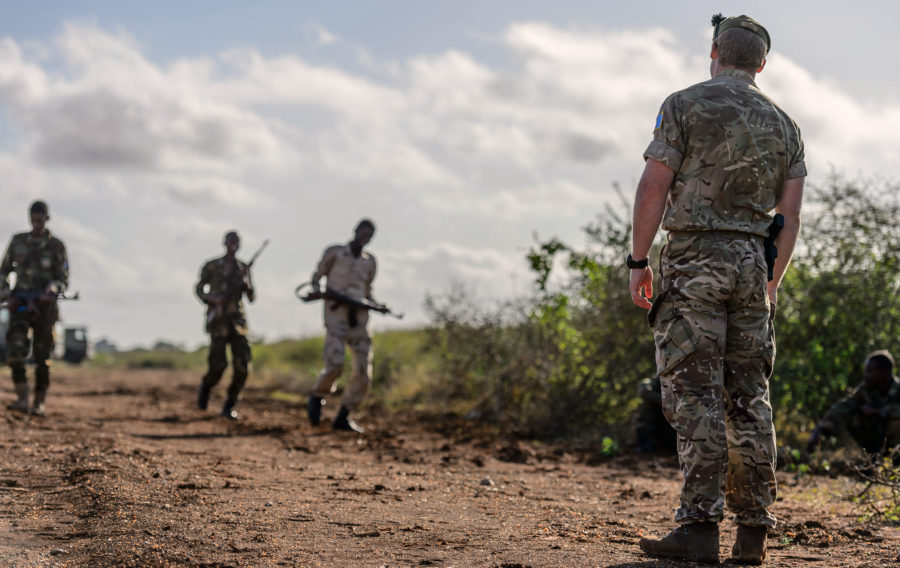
{"points": [[457, 158]]}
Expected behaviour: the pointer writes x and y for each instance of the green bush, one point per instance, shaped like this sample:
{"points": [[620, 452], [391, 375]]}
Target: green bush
{"points": [[567, 360]]}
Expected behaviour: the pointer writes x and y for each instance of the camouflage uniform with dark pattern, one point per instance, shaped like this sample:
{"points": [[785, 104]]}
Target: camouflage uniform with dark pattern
{"points": [[732, 150], [228, 327], [39, 262], [345, 326]]}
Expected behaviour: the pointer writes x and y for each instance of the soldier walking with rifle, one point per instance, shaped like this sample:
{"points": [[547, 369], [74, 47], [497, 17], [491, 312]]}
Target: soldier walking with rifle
{"points": [[349, 272], [223, 283], [42, 275]]}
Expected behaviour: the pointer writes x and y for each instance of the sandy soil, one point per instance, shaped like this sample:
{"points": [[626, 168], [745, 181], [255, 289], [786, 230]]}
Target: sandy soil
{"points": [[123, 471]]}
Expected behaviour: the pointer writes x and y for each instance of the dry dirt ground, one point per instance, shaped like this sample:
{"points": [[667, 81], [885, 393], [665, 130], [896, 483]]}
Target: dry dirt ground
{"points": [[123, 471]]}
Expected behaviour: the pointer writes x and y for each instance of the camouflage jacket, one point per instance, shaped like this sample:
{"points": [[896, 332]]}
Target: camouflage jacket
{"points": [[216, 278], [732, 149], [38, 262], [848, 410]]}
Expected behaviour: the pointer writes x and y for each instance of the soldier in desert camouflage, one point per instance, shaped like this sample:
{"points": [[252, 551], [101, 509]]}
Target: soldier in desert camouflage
{"points": [[223, 283], [42, 273], [723, 157], [349, 270]]}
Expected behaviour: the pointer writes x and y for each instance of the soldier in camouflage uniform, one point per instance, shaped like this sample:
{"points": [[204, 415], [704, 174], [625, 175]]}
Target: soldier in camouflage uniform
{"points": [[223, 283], [723, 157], [871, 413], [42, 273], [350, 270]]}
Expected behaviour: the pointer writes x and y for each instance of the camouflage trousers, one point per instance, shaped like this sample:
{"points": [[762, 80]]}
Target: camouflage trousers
{"points": [[33, 331], [218, 361], [715, 347], [360, 374]]}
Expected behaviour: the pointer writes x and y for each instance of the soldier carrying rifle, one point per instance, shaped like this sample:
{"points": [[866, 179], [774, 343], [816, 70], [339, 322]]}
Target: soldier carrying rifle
{"points": [[223, 283], [349, 271], [42, 275]]}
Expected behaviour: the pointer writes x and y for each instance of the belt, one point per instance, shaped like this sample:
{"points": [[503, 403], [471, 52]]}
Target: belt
{"points": [[733, 235]]}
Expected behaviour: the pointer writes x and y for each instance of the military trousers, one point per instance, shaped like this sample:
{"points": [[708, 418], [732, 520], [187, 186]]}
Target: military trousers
{"points": [[34, 331], [218, 361], [715, 348], [360, 346]]}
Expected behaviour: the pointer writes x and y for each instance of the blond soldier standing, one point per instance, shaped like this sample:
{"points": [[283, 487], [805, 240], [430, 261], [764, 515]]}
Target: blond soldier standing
{"points": [[723, 157], [42, 273], [349, 270]]}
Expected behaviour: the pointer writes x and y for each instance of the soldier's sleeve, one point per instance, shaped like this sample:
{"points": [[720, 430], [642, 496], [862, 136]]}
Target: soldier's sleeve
{"points": [[324, 266], [199, 289], [843, 410], [797, 161], [371, 279], [668, 144], [61, 270]]}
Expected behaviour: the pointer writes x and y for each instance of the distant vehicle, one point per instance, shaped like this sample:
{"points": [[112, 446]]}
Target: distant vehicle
{"points": [[4, 324], [76, 345]]}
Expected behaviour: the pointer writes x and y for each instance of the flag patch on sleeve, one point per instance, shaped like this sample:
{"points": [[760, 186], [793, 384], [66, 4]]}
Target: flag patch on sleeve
{"points": [[659, 119]]}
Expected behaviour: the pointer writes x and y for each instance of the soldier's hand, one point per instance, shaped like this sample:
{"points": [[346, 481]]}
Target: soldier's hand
{"points": [[641, 287]]}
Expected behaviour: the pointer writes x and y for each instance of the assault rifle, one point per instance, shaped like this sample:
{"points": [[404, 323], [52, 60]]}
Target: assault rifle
{"points": [[27, 300], [339, 298], [235, 288]]}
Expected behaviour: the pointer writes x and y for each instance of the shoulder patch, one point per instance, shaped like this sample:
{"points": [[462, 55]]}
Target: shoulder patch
{"points": [[659, 119]]}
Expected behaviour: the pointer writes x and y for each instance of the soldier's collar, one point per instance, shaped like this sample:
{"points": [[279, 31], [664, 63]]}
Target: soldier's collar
{"points": [[738, 74], [45, 235]]}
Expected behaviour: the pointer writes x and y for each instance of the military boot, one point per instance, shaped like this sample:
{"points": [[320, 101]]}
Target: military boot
{"points": [[343, 422], [314, 409], [697, 542], [203, 396], [228, 410], [749, 545], [38, 408], [21, 403]]}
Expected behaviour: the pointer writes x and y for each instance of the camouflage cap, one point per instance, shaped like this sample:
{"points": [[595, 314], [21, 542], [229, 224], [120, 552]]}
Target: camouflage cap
{"points": [[721, 24]]}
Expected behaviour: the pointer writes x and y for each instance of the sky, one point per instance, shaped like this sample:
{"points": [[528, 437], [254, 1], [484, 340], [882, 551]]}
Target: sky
{"points": [[463, 129]]}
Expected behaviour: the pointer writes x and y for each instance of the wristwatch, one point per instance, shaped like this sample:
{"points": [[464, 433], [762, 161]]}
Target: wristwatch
{"points": [[632, 263]]}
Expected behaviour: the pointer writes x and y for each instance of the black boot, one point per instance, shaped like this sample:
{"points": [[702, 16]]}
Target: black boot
{"points": [[698, 542], [342, 422], [228, 410], [21, 402], [38, 408], [314, 409], [203, 397]]}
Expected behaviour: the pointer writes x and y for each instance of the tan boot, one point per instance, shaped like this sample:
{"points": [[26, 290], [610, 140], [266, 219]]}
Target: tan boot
{"points": [[698, 543], [21, 403], [38, 407], [750, 545]]}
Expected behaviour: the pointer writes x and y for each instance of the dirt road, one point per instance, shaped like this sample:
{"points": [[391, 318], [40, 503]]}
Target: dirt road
{"points": [[123, 471]]}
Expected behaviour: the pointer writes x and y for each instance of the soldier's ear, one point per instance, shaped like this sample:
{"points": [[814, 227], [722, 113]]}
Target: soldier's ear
{"points": [[714, 51], [761, 65]]}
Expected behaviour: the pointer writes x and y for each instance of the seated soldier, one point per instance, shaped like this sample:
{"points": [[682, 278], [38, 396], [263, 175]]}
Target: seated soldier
{"points": [[651, 427], [871, 413]]}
